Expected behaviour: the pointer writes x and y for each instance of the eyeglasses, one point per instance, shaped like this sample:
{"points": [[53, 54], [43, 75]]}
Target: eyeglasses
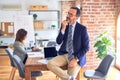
{"points": [[70, 14]]}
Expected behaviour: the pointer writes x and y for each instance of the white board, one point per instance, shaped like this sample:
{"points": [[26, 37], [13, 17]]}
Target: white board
{"points": [[25, 22]]}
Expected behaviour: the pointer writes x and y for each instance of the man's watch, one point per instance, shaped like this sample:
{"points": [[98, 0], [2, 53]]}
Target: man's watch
{"points": [[76, 59]]}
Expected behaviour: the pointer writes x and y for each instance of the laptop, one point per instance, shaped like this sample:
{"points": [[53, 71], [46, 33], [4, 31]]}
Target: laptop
{"points": [[50, 52]]}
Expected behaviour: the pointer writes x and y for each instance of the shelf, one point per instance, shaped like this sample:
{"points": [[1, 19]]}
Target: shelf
{"points": [[43, 11], [48, 30], [45, 18], [7, 36]]}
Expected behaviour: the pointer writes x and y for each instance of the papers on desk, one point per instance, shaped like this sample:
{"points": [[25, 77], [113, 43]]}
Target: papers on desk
{"points": [[43, 61], [35, 54]]}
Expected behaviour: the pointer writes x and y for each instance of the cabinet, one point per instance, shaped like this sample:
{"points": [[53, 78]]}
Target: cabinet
{"points": [[45, 19]]}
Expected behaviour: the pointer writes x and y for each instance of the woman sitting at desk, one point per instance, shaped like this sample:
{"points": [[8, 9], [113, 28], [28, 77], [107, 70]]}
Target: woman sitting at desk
{"points": [[19, 47]]}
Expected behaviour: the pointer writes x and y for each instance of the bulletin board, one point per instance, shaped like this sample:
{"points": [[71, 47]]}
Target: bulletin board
{"points": [[7, 28]]}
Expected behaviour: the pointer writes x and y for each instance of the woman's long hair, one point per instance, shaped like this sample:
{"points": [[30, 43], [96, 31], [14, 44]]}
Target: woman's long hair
{"points": [[20, 35]]}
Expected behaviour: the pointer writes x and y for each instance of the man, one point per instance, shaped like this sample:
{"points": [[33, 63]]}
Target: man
{"points": [[77, 44]]}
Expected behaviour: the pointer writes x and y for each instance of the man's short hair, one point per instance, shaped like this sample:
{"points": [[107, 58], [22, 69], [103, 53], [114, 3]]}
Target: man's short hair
{"points": [[78, 11]]}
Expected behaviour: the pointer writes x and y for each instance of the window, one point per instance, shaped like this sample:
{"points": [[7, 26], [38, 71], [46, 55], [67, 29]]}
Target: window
{"points": [[118, 43]]}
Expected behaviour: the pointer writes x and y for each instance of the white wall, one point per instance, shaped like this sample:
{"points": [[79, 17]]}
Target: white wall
{"points": [[7, 40], [9, 15], [5, 14], [47, 34], [25, 22], [52, 4]]}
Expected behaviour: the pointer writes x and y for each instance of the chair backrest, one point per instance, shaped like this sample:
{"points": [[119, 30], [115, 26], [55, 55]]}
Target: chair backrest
{"points": [[19, 65], [10, 54], [52, 44], [105, 64]]}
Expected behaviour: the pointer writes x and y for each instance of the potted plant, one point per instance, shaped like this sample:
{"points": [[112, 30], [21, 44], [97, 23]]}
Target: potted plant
{"points": [[35, 16], [103, 45], [1, 42], [36, 34], [53, 26], [36, 37]]}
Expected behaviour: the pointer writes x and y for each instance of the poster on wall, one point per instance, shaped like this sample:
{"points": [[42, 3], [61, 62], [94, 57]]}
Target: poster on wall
{"points": [[25, 22], [10, 29]]}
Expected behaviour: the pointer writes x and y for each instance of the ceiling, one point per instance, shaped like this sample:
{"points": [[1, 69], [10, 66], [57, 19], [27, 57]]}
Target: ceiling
{"points": [[4, 2]]}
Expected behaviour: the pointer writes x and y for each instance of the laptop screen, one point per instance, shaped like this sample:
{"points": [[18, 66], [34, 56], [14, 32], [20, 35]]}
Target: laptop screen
{"points": [[50, 52]]}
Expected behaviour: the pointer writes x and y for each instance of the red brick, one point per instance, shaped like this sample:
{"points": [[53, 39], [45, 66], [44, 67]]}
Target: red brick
{"points": [[109, 6], [112, 0], [103, 9], [113, 3], [106, 12], [86, 0], [105, 1], [84, 7], [95, 10], [96, 6], [93, 4], [96, 0]]}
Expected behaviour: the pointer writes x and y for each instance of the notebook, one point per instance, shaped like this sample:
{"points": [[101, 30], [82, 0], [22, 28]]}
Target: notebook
{"points": [[50, 52]]}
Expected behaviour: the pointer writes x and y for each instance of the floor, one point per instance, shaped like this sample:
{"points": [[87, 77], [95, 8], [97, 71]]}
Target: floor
{"points": [[5, 70], [114, 74]]}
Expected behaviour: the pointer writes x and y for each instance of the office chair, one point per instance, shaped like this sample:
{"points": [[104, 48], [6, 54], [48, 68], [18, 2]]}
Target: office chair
{"points": [[102, 70], [10, 54], [21, 68]]}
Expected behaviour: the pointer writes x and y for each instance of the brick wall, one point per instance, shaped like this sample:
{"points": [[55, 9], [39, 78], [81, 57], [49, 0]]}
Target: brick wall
{"points": [[97, 16], [65, 7]]}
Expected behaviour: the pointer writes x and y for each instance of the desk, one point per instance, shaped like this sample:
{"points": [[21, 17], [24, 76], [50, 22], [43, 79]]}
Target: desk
{"points": [[32, 64]]}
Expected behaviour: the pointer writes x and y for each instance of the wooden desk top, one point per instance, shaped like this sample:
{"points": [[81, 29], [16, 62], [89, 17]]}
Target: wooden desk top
{"points": [[33, 63]]}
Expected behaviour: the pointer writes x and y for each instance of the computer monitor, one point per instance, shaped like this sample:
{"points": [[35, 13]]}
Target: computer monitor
{"points": [[50, 52]]}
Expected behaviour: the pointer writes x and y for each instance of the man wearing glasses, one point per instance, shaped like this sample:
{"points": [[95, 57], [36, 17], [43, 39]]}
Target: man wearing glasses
{"points": [[74, 41]]}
